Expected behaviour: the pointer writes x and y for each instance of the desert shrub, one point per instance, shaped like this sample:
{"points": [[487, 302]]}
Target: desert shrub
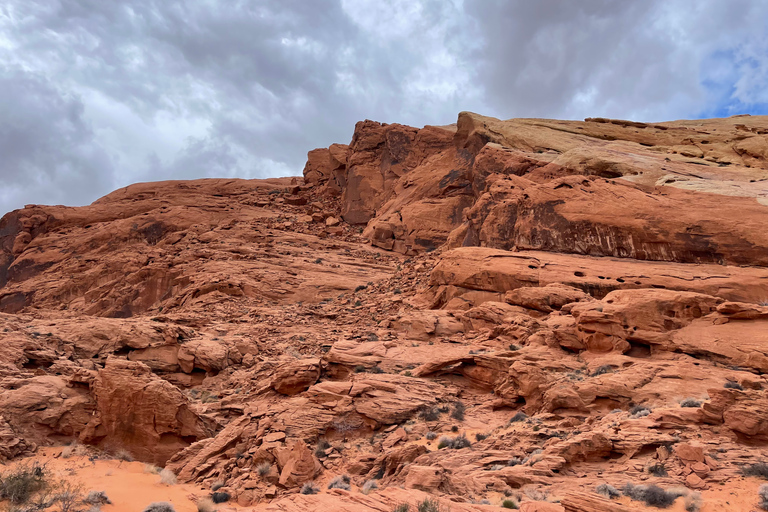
{"points": [[19, 485], [461, 442], [359, 369], [71, 450], [520, 416], [403, 507], [690, 402], [759, 469], [481, 437], [429, 414], [322, 445], [377, 369], [733, 385], [264, 469], [693, 502], [509, 504], [639, 411], [652, 495], [160, 506], [309, 488], [608, 491], [167, 477], [340, 482], [151, 468], [220, 497], [762, 492], [97, 498], [657, 469], [657, 497], [429, 505], [458, 411], [536, 494], [514, 461], [431, 435], [602, 370], [205, 505], [444, 442], [369, 486], [454, 428], [124, 455], [68, 496]]}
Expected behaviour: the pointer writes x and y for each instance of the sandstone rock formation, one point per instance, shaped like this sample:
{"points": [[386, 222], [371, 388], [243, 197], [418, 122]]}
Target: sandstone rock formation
{"points": [[491, 310]]}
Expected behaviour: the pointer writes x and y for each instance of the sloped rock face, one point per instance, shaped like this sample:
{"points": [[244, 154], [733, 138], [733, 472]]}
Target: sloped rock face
{"points": [[143, 414], [491, 310]]}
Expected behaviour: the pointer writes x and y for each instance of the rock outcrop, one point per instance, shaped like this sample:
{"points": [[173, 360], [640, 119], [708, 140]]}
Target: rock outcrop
{"points": [[494, 310]]}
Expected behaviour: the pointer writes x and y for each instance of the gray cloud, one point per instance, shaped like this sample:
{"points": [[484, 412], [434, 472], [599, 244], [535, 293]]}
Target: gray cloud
{"points": [[102, 94]]}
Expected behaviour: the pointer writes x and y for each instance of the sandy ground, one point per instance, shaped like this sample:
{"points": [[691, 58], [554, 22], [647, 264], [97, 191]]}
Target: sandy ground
{"points": [[131, 488], [127, 484]]}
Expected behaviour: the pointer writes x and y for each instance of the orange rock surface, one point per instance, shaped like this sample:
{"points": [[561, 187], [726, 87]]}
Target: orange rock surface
{"points": [[493, 310]]}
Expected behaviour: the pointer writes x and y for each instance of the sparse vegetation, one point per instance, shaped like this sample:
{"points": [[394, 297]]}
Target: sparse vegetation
{"points": [[430, 414], [733, 385], [693, 502], [657, 469], [309, 488], [97, 498], [322, 445], [520, 416], [72, 450], [512, 504], [429, 505], [481, 437], [370, 485], [602, 370], [19, 485], [514, 461], [403, 507], [152, 469], [759, 469], [455, 443], [639, 411], [340, 482], [220, 497], [263, 469], [167, 477], [160, 506], [205, 505], [762, 492], [652, 495], [458, 411], [690, 402], [608, 491], [123, 455], [431, 435]]}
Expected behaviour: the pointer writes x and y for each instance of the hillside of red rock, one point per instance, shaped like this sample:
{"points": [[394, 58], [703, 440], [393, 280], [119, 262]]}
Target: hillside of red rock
{"points": [[516, 310]]}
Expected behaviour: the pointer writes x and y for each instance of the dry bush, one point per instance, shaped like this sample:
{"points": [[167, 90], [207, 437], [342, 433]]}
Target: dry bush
{"points": [[309, 488], [263, 469], [370, 485], [205, 505], [160, 506], [340, 482], [167, 477]]}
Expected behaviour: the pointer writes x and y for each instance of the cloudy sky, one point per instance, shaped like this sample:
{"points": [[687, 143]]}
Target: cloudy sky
{"points": [[98, 94]]}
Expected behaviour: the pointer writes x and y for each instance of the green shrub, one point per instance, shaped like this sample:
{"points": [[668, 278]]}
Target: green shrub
{"points": [[509, 504]]}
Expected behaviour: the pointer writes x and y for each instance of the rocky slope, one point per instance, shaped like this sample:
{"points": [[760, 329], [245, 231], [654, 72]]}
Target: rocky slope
{"points": [[584, 302]]}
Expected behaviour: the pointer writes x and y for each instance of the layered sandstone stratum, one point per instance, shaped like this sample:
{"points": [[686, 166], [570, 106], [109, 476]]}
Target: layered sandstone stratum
{"points": [[603, 284]]}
